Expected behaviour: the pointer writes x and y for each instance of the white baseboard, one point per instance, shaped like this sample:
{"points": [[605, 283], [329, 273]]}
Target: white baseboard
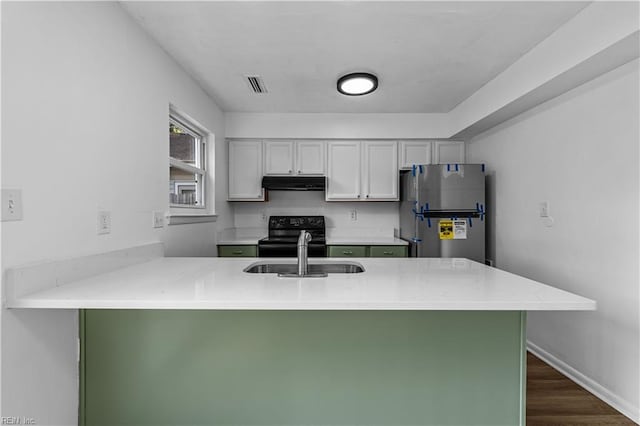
{"points": [[625, 407]]}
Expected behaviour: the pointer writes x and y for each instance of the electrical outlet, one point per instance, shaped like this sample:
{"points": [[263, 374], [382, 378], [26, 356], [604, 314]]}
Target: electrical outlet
{"points": [[158, 220], [263, 215], [104, 222], [544, 209], [11, 204], [353, 214]]}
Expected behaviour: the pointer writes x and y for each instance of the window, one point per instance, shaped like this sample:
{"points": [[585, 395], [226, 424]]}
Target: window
{"points": [[187, 165]]}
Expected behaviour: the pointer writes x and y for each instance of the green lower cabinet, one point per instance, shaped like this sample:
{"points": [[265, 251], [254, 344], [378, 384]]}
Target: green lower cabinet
{"points": [[177, 367], [388, 251], [332, 251], [347, 251], [237, 251], [367, 251]]}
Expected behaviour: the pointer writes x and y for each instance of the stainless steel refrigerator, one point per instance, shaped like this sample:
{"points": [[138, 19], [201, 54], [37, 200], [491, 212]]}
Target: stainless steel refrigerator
{"points": [[442, 210]]}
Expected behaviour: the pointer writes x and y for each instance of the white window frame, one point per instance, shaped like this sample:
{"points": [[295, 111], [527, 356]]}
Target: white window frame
{"points": [[200, 169]]}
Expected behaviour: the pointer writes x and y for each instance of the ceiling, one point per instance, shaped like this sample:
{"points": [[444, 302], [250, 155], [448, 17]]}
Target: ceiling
{"points": [[428, 56]]}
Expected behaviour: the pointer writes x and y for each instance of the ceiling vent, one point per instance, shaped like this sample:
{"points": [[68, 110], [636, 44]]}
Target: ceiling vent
{"points": [[256, 84]]}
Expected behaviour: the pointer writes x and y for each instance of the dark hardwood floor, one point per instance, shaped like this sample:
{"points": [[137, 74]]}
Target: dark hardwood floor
{"points": [[553, 399]]}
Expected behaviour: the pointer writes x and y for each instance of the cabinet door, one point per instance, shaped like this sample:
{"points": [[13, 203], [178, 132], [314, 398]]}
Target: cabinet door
{"points": [[380, 170], [245, 171], [448, 152], [388, 251], [343, 170], [347, 251], [278, 157], [237, 251], [414, 152], [310, 158]]}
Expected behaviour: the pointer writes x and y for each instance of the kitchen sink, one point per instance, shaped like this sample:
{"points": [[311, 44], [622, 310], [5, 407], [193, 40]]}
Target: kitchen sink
{"points": [[313, 268]]}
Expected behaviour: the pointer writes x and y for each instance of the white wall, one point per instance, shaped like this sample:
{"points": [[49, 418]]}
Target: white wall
{"points": [[594, 30], [580, 153], [337, 126], [85, 101], [374, 217]]}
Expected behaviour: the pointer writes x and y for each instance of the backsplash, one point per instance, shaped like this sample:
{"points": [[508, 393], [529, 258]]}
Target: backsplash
{"points": [[371, 216]]}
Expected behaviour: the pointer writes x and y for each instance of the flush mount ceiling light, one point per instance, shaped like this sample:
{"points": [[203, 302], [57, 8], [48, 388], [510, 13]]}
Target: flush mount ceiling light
{"points": [[357, 84]]}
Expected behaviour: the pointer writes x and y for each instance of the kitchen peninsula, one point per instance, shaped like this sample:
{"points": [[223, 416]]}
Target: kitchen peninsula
{"points": [[199, 341]]}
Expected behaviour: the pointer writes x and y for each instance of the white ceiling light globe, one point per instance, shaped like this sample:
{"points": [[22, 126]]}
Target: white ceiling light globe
{"points": [[357, 84]]}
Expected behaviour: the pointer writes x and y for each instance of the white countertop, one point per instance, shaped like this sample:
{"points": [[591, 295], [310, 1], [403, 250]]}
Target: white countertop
{"points": [[365, 241], [361, 237], [241, 236], [386, 284]]}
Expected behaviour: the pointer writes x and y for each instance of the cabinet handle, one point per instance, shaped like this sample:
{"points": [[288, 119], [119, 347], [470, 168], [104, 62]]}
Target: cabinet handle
{"points": [[237, 252], [347, 252], [367, 195], [290, 170], [299, 171], [358, 195], [388, 253]]}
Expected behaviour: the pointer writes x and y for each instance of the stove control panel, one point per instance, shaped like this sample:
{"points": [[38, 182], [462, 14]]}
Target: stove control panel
{"points": [[296, 222]]}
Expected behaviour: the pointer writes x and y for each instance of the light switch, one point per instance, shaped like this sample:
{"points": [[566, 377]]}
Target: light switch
{"points": [[158, 220], [544, 209], [11, 205], [104, 222]]}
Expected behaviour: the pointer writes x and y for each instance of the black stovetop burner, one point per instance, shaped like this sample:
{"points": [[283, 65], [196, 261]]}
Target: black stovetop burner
{"points": [[283, 236]]}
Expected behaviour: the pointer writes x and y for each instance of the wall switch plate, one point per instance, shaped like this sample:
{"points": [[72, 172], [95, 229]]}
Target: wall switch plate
{"points": [[353, 215], [544, 209], [11, 205], [104, 222], [158, 220]]}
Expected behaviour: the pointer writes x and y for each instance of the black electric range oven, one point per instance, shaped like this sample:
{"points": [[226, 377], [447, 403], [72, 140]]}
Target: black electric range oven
{"points": [[283, 236]]}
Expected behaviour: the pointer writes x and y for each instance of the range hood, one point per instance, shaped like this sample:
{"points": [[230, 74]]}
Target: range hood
{"points": [[293, 183]]}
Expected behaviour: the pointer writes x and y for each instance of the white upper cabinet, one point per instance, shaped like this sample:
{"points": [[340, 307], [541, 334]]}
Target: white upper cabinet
{"points": [[448, 152], [278, 157], [343, 170], [414, 152], [245, 171], [362, 171], [293, 157], [380, 170], [355, 170], [310, 158]]}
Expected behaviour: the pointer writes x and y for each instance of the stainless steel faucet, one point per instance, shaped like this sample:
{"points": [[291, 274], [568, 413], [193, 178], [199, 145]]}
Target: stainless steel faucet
{"points": [[303, 253]]}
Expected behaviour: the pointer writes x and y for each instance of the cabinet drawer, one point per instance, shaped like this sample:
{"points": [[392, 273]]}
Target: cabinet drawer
{"points": [[347, 251], [388, 251], [237, 251]]}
